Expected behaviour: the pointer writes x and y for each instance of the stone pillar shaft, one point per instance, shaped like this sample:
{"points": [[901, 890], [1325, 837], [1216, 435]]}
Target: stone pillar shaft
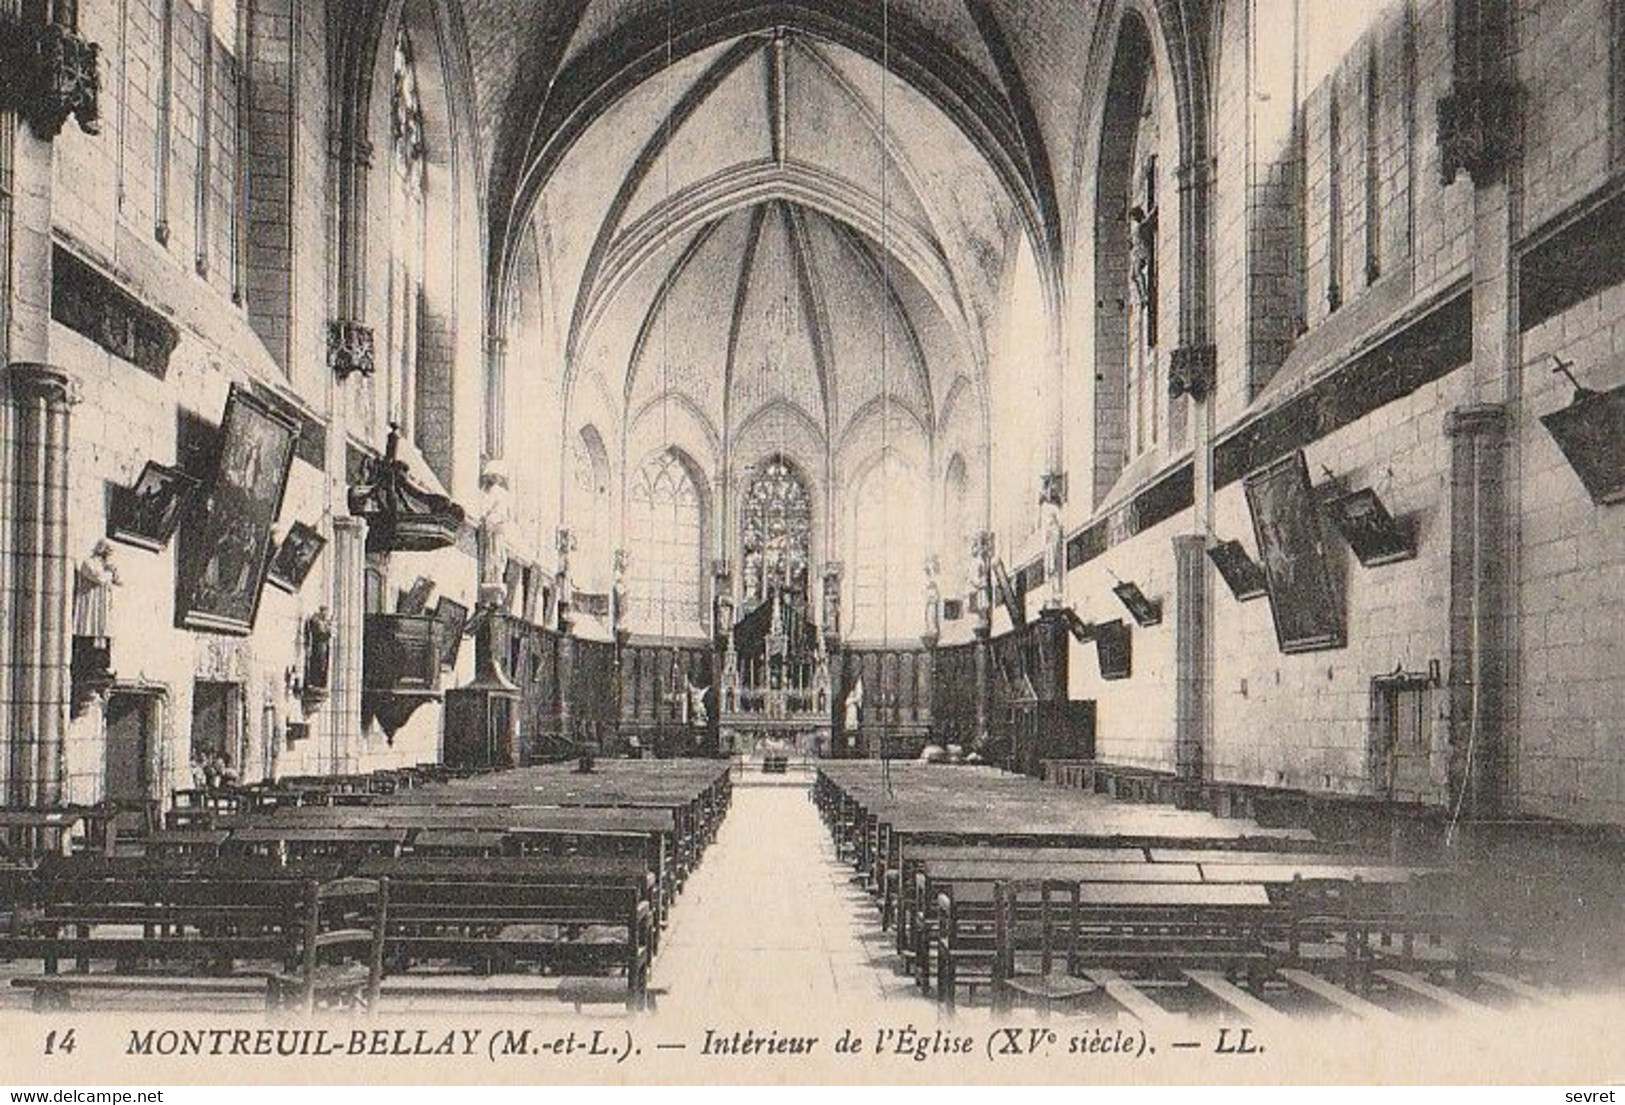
{"points": [[1480, 637], [38, 594], [1192, 673], [566, 684], [349, 626], [983, 670]]}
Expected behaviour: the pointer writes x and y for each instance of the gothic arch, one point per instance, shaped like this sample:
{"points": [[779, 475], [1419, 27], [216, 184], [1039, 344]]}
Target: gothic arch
{"points": [[361, 49]]}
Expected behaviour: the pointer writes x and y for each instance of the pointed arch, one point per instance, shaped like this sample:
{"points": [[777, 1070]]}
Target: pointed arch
{"points": [[667, 513]]}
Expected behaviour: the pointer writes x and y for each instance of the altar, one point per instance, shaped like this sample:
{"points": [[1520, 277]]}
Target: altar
{"points": [[775, 682]]}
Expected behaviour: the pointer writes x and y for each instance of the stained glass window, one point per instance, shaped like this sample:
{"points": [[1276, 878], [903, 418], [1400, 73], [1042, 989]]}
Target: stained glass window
{"points": [[663, 528], [776, 531]]}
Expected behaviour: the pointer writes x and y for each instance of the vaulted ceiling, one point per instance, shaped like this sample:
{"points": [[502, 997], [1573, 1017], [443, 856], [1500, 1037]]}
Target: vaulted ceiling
{"points": [[809, 205]]}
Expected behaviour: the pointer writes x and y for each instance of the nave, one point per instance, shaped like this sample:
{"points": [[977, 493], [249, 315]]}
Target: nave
{"points": [[717, 893]]}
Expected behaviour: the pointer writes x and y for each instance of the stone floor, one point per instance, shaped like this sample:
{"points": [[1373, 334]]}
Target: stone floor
{"points": [[772, 924]]}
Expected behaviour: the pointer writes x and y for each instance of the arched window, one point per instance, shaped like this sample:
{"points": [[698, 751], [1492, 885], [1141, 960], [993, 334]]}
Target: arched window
{"points": [[888, 553], [218, 185], [1133, 206], [408, 236], [664, 529], [775, 521], [589, 511], [1144, 384], [956, 529]]}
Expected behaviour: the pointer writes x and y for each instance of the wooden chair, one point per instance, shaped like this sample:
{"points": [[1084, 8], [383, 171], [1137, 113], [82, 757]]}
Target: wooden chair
{"points": [[1046, 916], [341, 946]]}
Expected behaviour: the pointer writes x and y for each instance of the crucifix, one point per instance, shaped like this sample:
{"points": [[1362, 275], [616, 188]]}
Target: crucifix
{"points": [[1142, 224]]}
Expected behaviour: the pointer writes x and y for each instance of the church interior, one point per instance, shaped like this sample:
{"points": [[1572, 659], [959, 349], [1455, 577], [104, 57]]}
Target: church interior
{"points": [[1103, 504]]}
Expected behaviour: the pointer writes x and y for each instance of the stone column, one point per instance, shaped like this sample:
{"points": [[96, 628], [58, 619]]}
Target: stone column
{"points": [[349, 627], [1480, 629], [1193, 373], [37, 599], [496, 389], [982, 631], [983, 672], [1480, 133], [1192, 675], [350, 156], [566, 682]]}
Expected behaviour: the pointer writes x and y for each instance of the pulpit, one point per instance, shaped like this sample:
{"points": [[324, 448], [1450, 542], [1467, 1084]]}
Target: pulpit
{"points": [[400, 667]]}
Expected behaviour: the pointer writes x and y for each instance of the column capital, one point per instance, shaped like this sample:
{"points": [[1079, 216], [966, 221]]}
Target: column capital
{"points": [[350, 149], [1199, 173], [350, 348], [1052, 488], [1193, 370], [52, 74], [41, 381]]}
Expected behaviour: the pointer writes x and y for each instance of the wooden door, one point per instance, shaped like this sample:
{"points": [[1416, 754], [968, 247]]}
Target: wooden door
{"points": [[129, 743]]}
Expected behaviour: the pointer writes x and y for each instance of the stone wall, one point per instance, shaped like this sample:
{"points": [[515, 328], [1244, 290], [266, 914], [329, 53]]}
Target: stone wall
{"points": [[1306, 720], [245, 288]]}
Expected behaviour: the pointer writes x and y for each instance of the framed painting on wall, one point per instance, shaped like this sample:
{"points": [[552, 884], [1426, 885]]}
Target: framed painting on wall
{"points": [[452, 618], [1114, 650], [1306, 601], [295, 557], [146, 515], [1241, 572], [225, 544]]}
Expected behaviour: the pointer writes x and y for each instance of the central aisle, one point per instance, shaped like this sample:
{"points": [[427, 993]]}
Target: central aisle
{"points": [[771, 924]]}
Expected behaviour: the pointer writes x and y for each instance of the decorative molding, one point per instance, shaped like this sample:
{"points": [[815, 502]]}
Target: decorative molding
{"points": [[1052, 489], [48, 74], [1426, 349], [350, 348], [30, 380], [1193, 370], [89, 302]]}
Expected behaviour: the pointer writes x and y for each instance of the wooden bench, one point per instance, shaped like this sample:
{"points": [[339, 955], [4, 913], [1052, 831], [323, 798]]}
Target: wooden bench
{"points": [[899, 900], [292, 843], [171, 929], [560, 915], [183, 843], [30, 835], [1149, 929]]}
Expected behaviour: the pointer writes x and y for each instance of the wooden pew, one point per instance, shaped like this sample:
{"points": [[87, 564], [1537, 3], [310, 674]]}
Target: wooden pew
{"points": [[570, 914], [226, 923], [186, 843], [291, 843], [1149, 929], [646, 834]]}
